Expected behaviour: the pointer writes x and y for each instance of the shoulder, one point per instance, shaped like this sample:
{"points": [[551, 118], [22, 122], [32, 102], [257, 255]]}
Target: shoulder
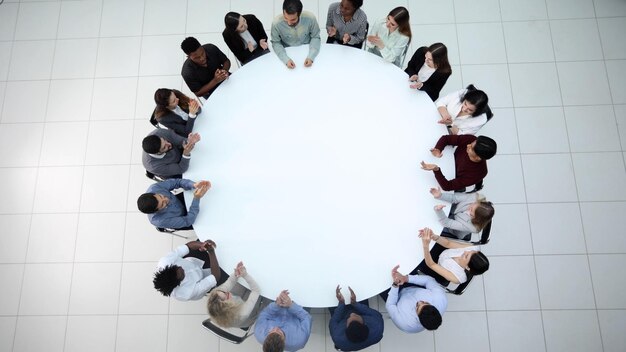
{"points": [[277, 21], [307, 16], [333, 7], [359, 15]]}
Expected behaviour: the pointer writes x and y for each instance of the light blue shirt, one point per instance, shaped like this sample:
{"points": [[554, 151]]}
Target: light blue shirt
{"points": [[395, 43], [172, 215], [306, 31], [402, 308], [294, 321]]}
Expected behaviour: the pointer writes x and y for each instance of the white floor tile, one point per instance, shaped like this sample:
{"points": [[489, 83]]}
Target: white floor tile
{"points": [[19, 198], [507, 291], [473, 299], [556, 228], [592, 135], [56, 279], [570, 35], [189, 307], [25, 65], [528, 41], [20, 144], [90, 333], [142, 242], [111, 50], [5, 58], [453, 334], [12, 274], [156, 61], [64, 143], [439, 11], [138, 185], [100, 193], [503, 125], [15, 239], [185, 333], [207, 16], [610, 8], [263, 10], [595, 90], [52, 238], [611, 324], [510, 232], [138, 295], [620, 116], [141, 333], [603, 222], [37, 21], [575, 331], [95, 288], [75, 58], [92, 228], [8, 17], [612, 43], [147, 86], [617, 69], [109, 142], [493, 80], [560, 9], [168, 17], [50, 333], [7, 332], [69, 100], [3, 88], [506, 334], [122, 18], [436, 33], [600, 176], [19, 96], [504, 183], [80, 19], [481, 43], [472, 11], [58, 190], [114, 99], [535, 84], [569, 276], [549, 178], [141, 130], [535, 126], [396, 340], [608, 280], [523, 10]]}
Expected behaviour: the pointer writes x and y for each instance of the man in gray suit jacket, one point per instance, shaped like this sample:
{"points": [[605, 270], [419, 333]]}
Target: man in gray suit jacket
{"points": [[167, 154]]}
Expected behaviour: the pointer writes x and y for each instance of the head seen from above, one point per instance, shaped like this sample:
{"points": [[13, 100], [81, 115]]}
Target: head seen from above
{"points": [[165, 98], [275, 341], [347, 8], [356, 330], [235, 22], [167, 279], [474, 101], [428, 315], [474, 262], [222, 308], [398, 19], [191, 46], [437, 57], [481, 212], [291, 11]]}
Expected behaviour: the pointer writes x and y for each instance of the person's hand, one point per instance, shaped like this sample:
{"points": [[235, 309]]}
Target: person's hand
{"points": [[291, 64], [332, 31], [346, 38], [240, 270], [208, 246], [429, 167], [187, 148], [397, 278], [283, 299], [339, 295], [201, 188], [426, 235], [308, 62], [220, 75], [263, 44], [417, 85], [375, 39], [445, 120], [436, 192], [439, 206], [413, 78], [436, 153], [193, 137], [352, 296], [250, 47], [194, 106]]}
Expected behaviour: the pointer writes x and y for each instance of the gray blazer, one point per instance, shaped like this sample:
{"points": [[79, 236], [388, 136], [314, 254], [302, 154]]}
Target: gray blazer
{"points": [[172, 163], [461, 224]]}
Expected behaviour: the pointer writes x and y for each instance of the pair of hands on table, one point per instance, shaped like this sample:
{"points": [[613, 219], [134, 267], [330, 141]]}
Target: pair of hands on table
{"points": [[307, 63], [262, 44]]}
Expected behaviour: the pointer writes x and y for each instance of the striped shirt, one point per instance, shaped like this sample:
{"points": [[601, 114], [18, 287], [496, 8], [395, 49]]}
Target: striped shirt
{"points": [[356, 27]]}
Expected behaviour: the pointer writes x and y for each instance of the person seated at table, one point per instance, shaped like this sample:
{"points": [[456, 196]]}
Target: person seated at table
{"points": [[355, 326], [167, 154], [389, 37], [165, 210], [429, 69], [471, 214], [456, 262], [294, 28], [470, 160], [464, 111], [175, 111], [230, 310], [346, 23], [283, 325], [415, 302], [188, 272], [206, 67], [244, 36]]}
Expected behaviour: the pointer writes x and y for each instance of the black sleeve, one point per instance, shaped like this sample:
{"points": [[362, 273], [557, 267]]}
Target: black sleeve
{"points": [[235, 45], [256, 28], [416, 62], [177, 124], [434, 84]]}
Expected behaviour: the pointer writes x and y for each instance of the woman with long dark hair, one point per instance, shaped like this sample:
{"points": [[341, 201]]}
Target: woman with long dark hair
{"points": [[388, 38], [244, 36], [175, 111], [429, 69], [464, 111]]}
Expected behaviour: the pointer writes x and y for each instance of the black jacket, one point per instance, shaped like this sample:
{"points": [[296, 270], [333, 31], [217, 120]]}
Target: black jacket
{"points": [[236, 44], [433, 85]]}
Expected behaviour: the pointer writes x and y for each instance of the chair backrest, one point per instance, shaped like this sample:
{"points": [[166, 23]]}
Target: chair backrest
{"points": [[367, 30], [477, 187], [226, 335], [403, 56], [461, 288]]}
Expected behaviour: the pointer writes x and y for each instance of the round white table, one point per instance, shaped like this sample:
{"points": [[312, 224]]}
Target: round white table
{"points": [[315, 173]]}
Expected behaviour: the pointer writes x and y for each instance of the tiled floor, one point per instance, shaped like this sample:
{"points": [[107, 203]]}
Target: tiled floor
{"points": [[76, 258]]}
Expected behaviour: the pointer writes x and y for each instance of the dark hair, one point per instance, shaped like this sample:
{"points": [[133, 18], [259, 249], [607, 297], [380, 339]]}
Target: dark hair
{"points": [[162, 100], [166, 280], [274, 342], [189, 45], [485, 147], [356, 3], [357, 332], [151, 144], [429, 317], [231, 21], [292, 6], [478, 263], [483, 214], [479, 99], [440, 57], [147, 203], [401, 15]]}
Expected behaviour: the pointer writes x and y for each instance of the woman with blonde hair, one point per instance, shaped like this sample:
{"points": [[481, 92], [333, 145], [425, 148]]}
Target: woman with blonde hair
{"points": [[388, 38], [471, 214], [230, 310]]}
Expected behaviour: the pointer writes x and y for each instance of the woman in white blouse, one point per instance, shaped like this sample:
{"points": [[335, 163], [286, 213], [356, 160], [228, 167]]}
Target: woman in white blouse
{"points": [[389, 37], [456, 262], [464, 111], [229, 310], [471, 214], [175, 111]]}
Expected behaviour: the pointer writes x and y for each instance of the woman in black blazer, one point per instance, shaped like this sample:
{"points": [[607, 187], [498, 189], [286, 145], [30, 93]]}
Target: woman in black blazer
{"points": [[423, 62], [239, 27], [175, 111]]}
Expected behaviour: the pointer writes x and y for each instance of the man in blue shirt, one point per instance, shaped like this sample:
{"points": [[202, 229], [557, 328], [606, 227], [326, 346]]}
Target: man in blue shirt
{"points": [[283, 325], [294, 28], [355, 326], [165, 210]]}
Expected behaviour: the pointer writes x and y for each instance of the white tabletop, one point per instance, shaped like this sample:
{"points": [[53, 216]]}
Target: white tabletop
{"points": [[315, 173]]}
